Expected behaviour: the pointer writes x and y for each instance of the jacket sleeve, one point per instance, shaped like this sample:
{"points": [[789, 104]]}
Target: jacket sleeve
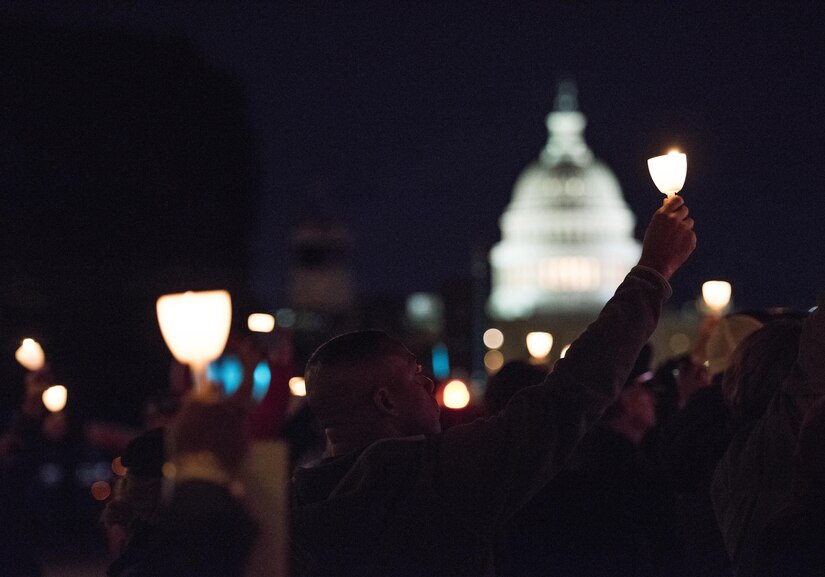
{"points": [[487, 469]]}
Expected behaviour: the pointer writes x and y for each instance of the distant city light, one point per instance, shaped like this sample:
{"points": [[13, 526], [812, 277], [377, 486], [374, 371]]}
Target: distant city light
{"points": [[298, 387], [101, 490], [493, 360], [54, 398], [30, 355], [493, 338], [679, 343], [260, 323], [51, 474], [87, 473], [285, 318], [456, 395], [118, 468]]}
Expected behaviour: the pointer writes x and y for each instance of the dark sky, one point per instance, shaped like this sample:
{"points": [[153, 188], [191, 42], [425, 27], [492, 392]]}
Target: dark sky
{"points": [[410, 122]]}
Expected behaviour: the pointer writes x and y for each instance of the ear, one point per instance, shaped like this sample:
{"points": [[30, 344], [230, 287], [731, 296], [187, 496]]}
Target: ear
{"points": [[384, 401]]}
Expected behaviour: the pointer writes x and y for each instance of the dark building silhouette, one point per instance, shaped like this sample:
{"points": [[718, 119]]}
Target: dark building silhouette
{"points": [[128, 171]]}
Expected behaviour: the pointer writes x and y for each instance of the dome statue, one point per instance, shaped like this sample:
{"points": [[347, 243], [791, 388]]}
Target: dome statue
{"points": [[567, 234]]}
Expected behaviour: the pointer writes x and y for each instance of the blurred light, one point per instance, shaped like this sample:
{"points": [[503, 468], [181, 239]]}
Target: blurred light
{"points": [[30, 354], [169, 470], [86, 474], [231, 374], [679, 343], [716, 294], [668, 172], [195, 325], [54, 398], [51, 474], [456, 395], [493, 360], [493, 338], [260, 323], [213, 372], [564, 350], [298, 387], [539, 344], [101, 490], [285, 318], [425, 311], [441, 361], [118, 468], [261, 377]]}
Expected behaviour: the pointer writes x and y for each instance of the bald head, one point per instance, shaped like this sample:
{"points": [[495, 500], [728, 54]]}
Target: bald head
{"points": [[342, 374]]}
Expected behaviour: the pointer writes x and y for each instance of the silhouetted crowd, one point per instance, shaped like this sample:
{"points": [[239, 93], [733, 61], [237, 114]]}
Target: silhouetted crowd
{"points": [[711, 464]]}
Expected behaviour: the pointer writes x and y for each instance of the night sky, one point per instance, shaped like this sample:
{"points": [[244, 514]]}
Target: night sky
{"points": [[409, 122]]}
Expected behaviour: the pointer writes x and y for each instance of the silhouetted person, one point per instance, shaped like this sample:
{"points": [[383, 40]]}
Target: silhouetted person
{"points": [[510, 379], [793, 543], [397, 496], [609, 512], [696, 440], [132, 516], [751, 483]]}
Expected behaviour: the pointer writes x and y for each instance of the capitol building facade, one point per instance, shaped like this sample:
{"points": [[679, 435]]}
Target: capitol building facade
{"points": [[566, 242], [567, 234]]}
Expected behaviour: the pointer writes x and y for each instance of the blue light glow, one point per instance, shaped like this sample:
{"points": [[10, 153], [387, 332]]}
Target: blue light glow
{"points": [[262, 376], [441, 361], [227, 372]]}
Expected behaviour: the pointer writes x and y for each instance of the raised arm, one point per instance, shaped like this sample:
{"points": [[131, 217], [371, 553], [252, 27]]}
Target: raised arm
{"points": [[489, 468]]}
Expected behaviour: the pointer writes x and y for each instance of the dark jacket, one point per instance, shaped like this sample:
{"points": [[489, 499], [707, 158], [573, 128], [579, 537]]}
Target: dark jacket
{"points": [[609, 512], [752, 481], [793, 542], [204, 532], [431, 505]]}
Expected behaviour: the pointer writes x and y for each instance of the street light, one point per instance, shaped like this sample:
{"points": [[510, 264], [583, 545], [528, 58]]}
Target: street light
{"points": [[30, 354], [195, 327], [716, 294], [668, 172], [539, 344]]}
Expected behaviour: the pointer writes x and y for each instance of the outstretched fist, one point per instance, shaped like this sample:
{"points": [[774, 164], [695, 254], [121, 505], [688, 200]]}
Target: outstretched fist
{"points": [[669, 238]]}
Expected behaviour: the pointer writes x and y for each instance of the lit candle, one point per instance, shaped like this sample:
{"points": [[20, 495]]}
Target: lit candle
{"points": [[298, 386], [668, 172], [55, 398], [716, 294], [30, 355], [195, 326], [539, 344], [456, 395]]}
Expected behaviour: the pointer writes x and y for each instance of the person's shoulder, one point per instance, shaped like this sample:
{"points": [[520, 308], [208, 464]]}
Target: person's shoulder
{"points": [[394, 453]]}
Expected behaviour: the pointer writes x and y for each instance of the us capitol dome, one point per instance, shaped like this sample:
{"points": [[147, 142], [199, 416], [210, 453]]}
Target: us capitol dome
{"points": [[567, 233]]}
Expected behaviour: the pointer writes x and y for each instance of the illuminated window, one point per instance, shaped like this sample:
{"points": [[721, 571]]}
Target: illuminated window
{"points": [[569, 274]]}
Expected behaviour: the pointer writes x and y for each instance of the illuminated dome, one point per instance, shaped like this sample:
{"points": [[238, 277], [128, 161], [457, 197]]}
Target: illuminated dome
{"points": [[567, 234]]}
